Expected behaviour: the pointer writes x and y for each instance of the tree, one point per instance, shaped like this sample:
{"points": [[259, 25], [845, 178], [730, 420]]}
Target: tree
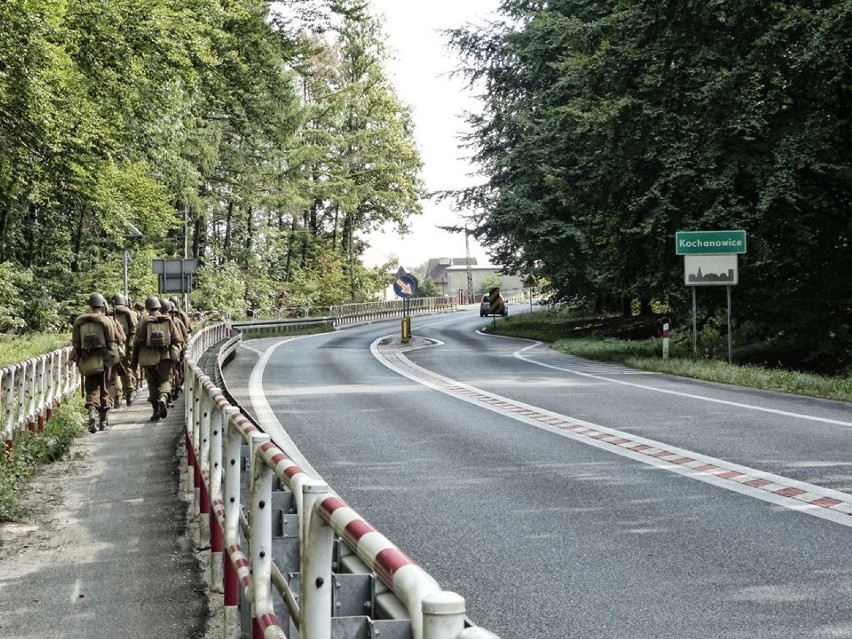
{"points": [[608, 126]]}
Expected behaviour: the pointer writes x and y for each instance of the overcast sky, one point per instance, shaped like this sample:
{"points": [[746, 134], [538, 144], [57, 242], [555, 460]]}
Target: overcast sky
{"points": [[419, 71]]}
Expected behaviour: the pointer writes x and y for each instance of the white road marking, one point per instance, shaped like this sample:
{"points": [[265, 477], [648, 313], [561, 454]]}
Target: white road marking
{"points": [[521, 355], [647, 451]]}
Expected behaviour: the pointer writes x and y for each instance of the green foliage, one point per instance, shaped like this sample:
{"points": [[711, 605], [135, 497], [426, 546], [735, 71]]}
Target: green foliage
{"points": [[492, 281], [17, 348], [216, 129], [221, 288], [427, 288], [33, 450]]}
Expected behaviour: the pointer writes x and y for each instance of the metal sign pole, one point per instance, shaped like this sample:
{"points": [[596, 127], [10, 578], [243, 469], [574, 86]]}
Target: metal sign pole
{"points": [[694, 327], [730, 339]]}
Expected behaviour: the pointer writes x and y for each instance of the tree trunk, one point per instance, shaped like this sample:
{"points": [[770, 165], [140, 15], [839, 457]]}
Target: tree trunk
{"points": [[226, 243]]}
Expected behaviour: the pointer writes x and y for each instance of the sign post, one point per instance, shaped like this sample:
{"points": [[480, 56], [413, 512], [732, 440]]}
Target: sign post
{"points": [[404, 286], [710, 259], [529, 284]]}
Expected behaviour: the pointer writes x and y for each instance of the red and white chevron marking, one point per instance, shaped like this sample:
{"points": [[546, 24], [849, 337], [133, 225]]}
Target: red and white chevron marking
{"points": [[790, 493]]}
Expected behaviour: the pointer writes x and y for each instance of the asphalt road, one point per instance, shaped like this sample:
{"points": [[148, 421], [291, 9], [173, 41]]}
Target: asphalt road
{"points": [[503, 469]]}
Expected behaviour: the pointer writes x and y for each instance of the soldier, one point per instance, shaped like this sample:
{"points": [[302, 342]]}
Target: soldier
{"points": [[176, 314], [126, 379], [121, 341], [184, 317], [156, 346], [96, 352]]}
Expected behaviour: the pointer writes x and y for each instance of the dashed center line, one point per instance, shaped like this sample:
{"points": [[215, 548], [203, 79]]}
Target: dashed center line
{"points": [[808, 498]]}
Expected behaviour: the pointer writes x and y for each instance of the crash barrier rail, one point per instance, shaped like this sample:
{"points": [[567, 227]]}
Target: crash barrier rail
{"points": [[32, 389], [343, 314], [292, 559]]}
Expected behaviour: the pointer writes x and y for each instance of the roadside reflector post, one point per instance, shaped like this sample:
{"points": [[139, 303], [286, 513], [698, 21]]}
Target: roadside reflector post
{"points": [[665, 340]]}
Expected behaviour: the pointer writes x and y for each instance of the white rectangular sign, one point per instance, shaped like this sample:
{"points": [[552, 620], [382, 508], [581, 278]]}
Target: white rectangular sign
{"points": [[710, 270]]}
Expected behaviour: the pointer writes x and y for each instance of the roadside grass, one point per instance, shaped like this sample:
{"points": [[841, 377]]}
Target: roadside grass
{"points": [[31, 451], [583, 337], [17, 348]]}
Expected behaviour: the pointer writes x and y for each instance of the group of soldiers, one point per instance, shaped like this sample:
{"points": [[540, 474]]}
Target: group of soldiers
{"points": [[112, 343]]}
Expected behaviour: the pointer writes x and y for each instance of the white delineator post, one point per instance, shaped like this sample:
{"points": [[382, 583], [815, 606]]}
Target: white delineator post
{"points": [[666, 340]]}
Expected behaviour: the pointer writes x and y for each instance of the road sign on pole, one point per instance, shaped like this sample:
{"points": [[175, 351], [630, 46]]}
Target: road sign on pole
{"points": [[710, 259], [709, 242], [405, 285], [710, 270]]}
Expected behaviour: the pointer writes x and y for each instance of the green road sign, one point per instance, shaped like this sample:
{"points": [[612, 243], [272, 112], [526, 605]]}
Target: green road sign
{"points": [[709, 242]]}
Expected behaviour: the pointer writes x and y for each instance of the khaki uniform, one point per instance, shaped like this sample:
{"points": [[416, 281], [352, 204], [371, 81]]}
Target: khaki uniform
{"points": [[97, 384], [178, 368], [158, 371], [126, 378]]}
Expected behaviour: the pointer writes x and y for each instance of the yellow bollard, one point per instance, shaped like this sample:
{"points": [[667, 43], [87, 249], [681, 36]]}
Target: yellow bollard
{"points": [[406, 329]]}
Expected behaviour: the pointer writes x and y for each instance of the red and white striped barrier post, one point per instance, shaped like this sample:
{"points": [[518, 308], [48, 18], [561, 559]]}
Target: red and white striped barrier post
{"points": [[264, 621], [665, 340], [189, 408], [217, 505], [231, 496]]}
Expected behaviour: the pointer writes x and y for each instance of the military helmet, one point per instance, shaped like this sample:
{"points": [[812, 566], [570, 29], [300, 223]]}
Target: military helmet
{"points": [[119, 299], [165, 305], [97, 300], [174, 302], [152, 302]]}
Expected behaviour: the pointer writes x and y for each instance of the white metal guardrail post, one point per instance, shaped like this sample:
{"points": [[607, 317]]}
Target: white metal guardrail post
{"points": [[9, 400], [231, 495], [23, 373], [315, 564], [443, 615], [207, 407], [198, 413], [217, 497], [189, 406], [31, 393]]}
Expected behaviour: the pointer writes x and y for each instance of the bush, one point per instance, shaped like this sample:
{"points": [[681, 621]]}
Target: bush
{"points": [[32, 450]]}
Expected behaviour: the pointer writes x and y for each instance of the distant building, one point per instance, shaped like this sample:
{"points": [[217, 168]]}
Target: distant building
{"points": [[437, 269], [456, 279]]}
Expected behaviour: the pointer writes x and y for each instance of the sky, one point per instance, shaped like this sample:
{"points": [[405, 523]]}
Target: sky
{"points": [[419, 69]]}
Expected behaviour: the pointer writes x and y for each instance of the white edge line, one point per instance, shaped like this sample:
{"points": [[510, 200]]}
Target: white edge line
{"points": [[522, 356], [265, 415]]}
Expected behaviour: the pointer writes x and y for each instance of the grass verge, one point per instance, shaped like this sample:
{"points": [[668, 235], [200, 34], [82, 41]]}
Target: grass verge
{"points": [[17, 348], [32, 451], [583, 337]]}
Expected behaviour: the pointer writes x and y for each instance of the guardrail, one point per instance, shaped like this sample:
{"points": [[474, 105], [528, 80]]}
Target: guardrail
{"points": [[290, 556], [30, 390]]}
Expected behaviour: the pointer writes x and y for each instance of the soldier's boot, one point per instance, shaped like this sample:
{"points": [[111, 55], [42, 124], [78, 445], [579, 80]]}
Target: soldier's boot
{"points": [[118, 401], [128, 399], [155, 417], [93, 414], [103, 422], [162, 406]]}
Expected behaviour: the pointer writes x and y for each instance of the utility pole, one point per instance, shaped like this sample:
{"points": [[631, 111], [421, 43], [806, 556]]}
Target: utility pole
{"points": [[467, 261], [467, 232]]}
